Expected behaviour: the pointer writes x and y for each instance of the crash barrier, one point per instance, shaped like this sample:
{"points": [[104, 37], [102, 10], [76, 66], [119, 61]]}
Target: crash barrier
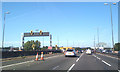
{"points": [[112, 54], [8, 54]]}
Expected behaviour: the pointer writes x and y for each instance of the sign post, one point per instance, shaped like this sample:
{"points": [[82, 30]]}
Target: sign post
{"points": [[56, 47], [33, 34], [33, 46]]}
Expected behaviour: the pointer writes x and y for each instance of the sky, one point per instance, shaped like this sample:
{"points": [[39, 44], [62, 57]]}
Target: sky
{"points": [[70, 23]]}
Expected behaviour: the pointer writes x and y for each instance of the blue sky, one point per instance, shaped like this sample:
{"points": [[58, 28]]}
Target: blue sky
{"points": [[75, 22]]}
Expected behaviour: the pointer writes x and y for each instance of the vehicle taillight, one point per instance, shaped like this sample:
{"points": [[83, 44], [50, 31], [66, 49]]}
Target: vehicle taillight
{"points": [[72, 52]]}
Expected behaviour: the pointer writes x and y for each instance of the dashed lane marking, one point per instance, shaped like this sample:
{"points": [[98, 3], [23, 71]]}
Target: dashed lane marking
{"points": [[77, 60], [98, 58], [74, 63], [106, 63], [109, 56], [79, 57], [70, 67], [102, 60]]}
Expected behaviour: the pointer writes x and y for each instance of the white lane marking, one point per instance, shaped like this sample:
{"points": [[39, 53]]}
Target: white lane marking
{"points": [[16, 64], [70, 67], [79, 57], [118, 70], [74, 64], [108, 56], [26, 62], [55, 67], [106, 63], [77, 60], [94, 55], [98, 58]]}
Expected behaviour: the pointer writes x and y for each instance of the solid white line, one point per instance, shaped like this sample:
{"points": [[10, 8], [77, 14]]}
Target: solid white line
{"points": [[26, 62], [70, 67], [16, 64], [55, 67], [106, 63]]}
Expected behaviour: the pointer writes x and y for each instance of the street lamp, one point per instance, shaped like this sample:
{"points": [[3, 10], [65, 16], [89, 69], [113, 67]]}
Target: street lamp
{"points": [[4, 28], [111, 22]]}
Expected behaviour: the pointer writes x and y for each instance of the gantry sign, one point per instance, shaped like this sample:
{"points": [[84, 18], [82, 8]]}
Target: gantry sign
{"points": [[34, 34]]}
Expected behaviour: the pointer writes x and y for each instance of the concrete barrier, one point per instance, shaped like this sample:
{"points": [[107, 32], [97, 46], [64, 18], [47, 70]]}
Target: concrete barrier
{"points": [[7, 54]]}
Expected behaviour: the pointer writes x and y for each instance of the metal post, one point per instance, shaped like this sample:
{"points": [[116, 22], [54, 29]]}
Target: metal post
{"points": [[98, 37], [3, 31], [67, 43], [58, 41], [22, 41], [94, 42], [43, 41], [112, 27], [51, 40], [73, 43]]}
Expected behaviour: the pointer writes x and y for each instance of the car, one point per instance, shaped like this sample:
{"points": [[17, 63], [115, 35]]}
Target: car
{"points": [[82, 51], [103, 51], [108, 51], [70, 52], [118, 53], [88, 51]]}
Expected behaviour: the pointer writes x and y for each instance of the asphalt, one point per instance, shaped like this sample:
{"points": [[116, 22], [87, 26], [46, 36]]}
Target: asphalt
{"points": [[59, 62], [15, 60]]}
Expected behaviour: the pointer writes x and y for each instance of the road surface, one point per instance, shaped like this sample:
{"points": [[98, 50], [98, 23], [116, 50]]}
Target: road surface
{"points": [[59, 62]]}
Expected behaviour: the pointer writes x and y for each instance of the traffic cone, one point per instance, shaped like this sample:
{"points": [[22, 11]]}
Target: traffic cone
{"points": [[42, 56], [36, 57]]}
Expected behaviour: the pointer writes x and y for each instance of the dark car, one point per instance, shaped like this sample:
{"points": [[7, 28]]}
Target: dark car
{"points": [[108, 51]]}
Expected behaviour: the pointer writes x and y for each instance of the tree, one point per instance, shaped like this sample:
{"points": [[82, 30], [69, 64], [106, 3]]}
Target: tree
{"points": [[28, 45], [117, 47]]}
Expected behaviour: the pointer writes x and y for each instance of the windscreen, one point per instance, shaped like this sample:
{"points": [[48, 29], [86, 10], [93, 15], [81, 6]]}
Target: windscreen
{"points": [[69, 50]]}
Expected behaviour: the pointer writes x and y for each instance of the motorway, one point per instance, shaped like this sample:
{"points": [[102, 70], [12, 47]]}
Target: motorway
{"points": [[59, 62]]}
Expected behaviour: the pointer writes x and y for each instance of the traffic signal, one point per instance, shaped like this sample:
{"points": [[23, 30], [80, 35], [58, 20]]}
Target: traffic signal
{"points": [[40, 32], [31, 32]]}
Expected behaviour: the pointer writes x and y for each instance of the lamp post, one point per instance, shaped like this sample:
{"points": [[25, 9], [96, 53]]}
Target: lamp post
{"points": [[98, 36], [4, 28], [111, 22]]}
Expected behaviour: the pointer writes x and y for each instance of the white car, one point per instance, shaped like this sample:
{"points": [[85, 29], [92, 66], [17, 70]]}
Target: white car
{"points": [[88, 51], [103, 51], [70, 52]]}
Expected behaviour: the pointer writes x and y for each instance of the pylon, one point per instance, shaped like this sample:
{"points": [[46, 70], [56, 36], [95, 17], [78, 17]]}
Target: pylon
{"points": [[42, 56], [36, 57]]}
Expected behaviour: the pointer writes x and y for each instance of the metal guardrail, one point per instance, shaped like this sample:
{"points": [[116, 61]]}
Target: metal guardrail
{"points": [[112, 54]]}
